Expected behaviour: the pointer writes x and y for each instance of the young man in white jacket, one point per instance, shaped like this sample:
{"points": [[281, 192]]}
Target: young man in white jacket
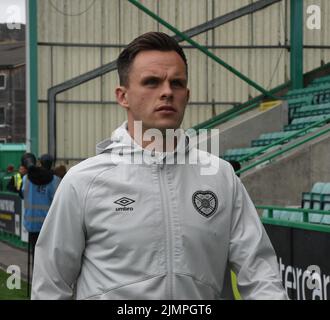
{"points": [[134, 222]]}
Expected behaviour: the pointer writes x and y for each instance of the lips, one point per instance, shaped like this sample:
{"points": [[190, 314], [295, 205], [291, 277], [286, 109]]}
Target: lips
{"points": [[166, 109]]}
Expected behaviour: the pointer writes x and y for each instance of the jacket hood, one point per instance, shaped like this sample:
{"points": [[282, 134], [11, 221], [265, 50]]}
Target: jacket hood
{"points": [[122, 144], [40, 175]]}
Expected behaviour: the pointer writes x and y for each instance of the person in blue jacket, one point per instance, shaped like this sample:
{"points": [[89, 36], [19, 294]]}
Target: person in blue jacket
{"points": [[39, 186]]}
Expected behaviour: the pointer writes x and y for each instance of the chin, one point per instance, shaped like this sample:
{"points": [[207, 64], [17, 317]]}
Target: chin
{"points": [[167, 125]]}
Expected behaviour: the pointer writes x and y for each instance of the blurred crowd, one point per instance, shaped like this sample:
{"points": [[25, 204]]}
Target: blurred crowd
{"points": [[11, 180]]}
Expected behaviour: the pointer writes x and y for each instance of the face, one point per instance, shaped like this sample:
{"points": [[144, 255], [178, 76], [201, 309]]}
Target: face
{"points": [[157, 92], [22, 170]]}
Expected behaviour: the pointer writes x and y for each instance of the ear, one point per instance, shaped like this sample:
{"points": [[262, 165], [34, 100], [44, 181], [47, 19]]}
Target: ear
{"points": [[188, 95], [121, 96]]}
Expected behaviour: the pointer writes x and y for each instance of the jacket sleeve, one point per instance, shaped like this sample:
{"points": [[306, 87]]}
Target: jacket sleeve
{"points": [[60, 245], [251, 255]]}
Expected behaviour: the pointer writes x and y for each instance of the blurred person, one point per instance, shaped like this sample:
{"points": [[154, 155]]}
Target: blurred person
{"points": [[15, 183], [38, 189], [154, 230], [236, 166], [7, 177], [60, 171]]}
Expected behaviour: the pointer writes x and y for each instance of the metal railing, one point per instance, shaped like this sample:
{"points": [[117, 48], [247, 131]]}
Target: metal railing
{"points": [[304, 225], [305, 212]]}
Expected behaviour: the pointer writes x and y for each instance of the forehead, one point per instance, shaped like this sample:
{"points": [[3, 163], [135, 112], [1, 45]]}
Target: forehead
{"points": [[153, 62]]}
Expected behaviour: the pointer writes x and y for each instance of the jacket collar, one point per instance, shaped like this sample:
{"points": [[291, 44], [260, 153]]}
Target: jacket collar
{"points": [[123, 144]]}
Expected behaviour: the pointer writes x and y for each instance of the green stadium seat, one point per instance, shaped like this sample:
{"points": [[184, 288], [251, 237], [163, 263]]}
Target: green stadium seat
{"points": [[318, 187], [320, 94], [236, 154], [268, 138], [307, 200], [326, 193], [277, 214], [326, 217], [298, 93], [297, 103], [317, 195], [318, 81], [315, 217], [285, 215], [300, 123], [322, 97], [312, 110], [265, 213], [297, 216]]}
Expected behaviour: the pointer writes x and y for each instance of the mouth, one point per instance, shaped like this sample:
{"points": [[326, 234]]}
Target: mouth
{"points": [[165, 108]]}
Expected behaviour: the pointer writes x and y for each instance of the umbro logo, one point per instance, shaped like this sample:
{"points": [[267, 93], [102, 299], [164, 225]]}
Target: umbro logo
{"points": [[124, 202]]}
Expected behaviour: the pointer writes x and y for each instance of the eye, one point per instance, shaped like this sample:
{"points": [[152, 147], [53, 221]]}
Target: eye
{"points": [[178, 83], [150, 82]]}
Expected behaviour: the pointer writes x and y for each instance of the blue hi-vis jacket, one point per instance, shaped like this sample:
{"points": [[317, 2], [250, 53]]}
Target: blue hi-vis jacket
{"points": [[37, 200]]}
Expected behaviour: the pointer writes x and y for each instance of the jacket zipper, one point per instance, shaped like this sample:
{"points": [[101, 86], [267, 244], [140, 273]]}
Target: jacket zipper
{"points": [[167, 216]]}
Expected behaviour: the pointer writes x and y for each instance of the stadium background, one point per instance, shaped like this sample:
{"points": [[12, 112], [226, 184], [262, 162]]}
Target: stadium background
{"points": [[271, 45], [81, 35]]}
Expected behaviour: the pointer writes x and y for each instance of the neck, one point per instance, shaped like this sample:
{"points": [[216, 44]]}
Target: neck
{"points": [[151, 138]]}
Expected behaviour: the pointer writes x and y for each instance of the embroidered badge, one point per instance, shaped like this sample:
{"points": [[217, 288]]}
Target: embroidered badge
{"points": [[205, 202]]}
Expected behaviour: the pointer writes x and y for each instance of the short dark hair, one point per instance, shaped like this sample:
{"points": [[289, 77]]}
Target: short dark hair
{"points": [[28, 160], [46, 161], [146, 42]]}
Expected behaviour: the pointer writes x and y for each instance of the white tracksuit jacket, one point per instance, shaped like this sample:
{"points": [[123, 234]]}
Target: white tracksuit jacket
{"points": [[117, 230]]}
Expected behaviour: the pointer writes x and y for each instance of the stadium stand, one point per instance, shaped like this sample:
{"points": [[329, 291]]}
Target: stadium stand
{"points": [[317, 199], [307, 106]]}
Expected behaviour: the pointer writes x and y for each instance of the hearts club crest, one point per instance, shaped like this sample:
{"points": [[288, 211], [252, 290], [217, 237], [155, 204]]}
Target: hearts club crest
{"points": [[205, 202]]}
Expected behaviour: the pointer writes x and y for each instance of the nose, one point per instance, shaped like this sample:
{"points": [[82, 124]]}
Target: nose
{"points": [[166, 91]]}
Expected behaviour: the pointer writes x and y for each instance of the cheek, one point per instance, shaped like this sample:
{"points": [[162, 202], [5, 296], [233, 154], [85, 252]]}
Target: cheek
{"points": [[183, 99]]}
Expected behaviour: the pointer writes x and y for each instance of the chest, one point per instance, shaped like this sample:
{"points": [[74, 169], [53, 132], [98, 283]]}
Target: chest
{"points": [[145, 203]]}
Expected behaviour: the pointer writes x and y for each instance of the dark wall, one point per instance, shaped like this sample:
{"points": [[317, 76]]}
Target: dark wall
{"points": [[13, 99]]}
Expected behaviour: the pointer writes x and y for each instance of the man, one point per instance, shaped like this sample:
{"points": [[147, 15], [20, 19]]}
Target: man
{"points": [[121, 230], [15, 183]]}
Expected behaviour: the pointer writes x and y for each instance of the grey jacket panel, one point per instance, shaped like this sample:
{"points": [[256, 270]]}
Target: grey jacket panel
{"points": [[121, 231]]}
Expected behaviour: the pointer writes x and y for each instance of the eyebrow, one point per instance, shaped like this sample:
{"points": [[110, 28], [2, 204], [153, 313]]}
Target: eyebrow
{"points": [[157, 77]]}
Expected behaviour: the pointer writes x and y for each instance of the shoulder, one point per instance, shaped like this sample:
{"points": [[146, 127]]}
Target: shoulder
{"points": [[84, 173]]}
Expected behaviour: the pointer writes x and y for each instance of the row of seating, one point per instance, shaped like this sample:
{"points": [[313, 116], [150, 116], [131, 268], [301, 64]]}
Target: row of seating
{"points": [[317, 199], [300, 123], [320, 89], [316, 82], [238, 153], [304, 111], [312, 110], [296, 103], [268, 138], [316, 218]]}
